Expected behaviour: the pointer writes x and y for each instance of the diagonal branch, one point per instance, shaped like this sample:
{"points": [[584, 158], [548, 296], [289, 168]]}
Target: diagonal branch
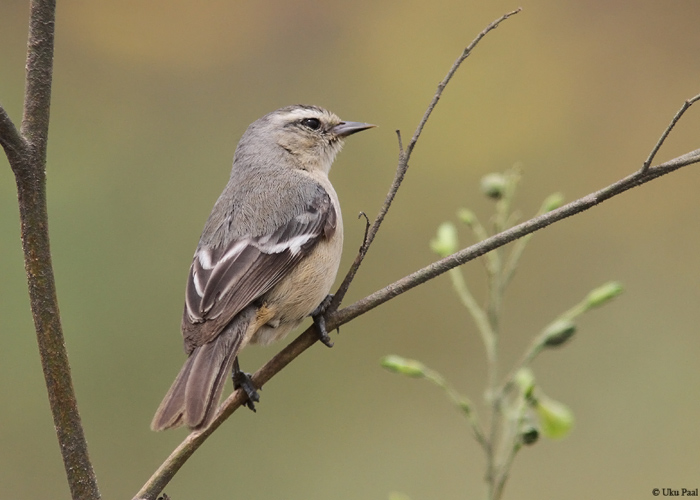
{"points": [[12, 142], [441, 86], [663, 137], [470, 253], [404, 157]]}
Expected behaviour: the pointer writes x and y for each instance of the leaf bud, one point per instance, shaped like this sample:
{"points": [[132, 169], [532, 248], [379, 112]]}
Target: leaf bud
{"points": [[529, 434], [603, 294], [559, 332], [494, 185], [526, 382], [408, 367], [466, 216], [445, 243]]}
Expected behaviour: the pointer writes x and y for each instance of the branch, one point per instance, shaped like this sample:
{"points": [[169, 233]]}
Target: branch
{"points": [[404, 157], [37, 93], [663, 137], [12, 142], [26, 152], [470, 253]]}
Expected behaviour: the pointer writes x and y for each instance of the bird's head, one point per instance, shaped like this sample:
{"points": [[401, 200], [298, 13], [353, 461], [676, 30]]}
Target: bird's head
{"points": [[312, 135]]}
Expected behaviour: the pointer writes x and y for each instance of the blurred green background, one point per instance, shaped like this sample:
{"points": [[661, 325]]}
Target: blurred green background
{"points": [[149, 101]]}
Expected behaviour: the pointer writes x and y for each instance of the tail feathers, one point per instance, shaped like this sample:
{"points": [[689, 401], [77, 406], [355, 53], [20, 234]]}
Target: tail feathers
{"points": [[193, 398], [169, 413], [208, 377]]}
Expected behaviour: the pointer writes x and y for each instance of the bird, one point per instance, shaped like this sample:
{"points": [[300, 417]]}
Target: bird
{"points": [[267, 257]]}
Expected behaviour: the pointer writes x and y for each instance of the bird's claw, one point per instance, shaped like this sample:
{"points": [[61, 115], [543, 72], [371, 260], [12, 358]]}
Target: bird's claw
{"points": [[320, 320], [243, 380]]}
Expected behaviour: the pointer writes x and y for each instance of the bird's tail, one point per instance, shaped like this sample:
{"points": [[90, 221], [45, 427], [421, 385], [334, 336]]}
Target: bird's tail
{"points": [[194, 396]]}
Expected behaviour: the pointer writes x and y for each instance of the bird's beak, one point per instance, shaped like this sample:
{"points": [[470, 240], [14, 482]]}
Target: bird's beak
{"points": [[344, 129]]}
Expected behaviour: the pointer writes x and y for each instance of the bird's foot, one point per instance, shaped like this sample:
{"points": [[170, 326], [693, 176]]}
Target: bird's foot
{"points": [[320, 321], [243, 380]]}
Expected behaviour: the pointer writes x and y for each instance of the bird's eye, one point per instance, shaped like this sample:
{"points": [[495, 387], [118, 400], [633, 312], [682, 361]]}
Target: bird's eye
{"points": [[312, 123]]}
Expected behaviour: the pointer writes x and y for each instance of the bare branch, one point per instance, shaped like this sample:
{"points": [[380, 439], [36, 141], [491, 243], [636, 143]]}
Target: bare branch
{"points": [[663, 137], [404, 157], [370, 234], [26, 152], [12, 142], [367, 226], [470, 253], [37, 93], [466, 53]]}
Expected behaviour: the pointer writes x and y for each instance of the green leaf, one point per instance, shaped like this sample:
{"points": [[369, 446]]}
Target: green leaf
{"points": [[556, 419]]}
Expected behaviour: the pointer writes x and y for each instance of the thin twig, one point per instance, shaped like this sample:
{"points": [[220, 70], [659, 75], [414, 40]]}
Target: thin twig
{"points": [[12, 142], [194, 440], [404, 157], [503, 472], [519, 248], [475, 310], [367, 226], [663, 137], [461, 402], [369, 236], [398, 135], [450, 74]]}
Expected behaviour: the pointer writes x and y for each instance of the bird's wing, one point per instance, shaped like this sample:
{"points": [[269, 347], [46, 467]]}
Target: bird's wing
{"points": [[223, 281]]}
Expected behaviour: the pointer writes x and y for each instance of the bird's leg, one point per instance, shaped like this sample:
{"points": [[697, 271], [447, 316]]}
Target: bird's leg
{"points": [[320, 321], [242, 380]]}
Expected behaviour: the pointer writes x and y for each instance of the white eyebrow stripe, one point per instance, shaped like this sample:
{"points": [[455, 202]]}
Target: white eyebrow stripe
{"points": [[298, 114]]}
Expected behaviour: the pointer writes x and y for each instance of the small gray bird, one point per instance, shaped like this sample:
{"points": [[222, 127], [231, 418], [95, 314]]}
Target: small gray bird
{"points": [[267, 257]]}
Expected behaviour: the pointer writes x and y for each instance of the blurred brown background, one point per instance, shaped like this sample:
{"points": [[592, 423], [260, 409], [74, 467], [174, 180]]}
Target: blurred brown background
{"points": [[149, 101]]}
